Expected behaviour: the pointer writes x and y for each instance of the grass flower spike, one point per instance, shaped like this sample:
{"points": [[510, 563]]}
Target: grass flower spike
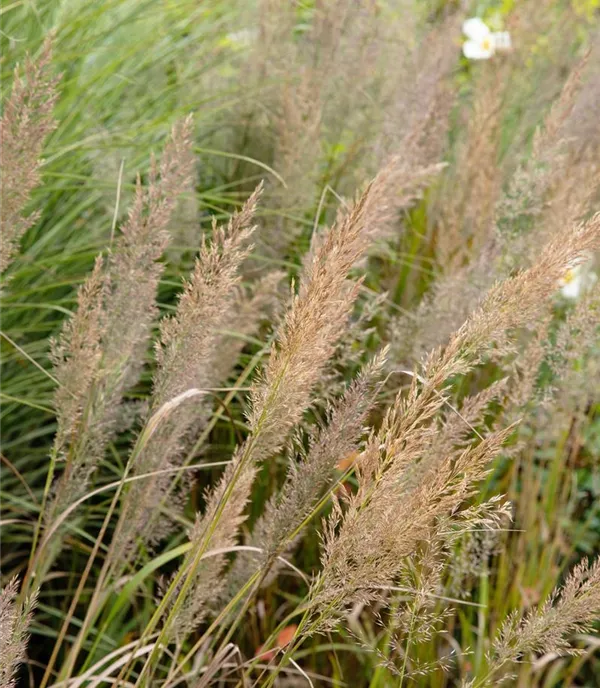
{"points": [[26, 122], [250, 398]]}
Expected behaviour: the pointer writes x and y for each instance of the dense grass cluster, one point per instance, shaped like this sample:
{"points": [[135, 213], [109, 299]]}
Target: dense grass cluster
{"points": [[300, 344]]}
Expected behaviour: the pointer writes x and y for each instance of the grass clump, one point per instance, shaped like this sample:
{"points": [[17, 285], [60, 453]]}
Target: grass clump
{"points": [[312, 396]]}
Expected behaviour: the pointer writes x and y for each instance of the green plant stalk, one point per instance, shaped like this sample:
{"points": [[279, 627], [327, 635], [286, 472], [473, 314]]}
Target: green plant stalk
{"points": [[190, 570], [232, 603], [213, 421], [275, 555], [298, 638], [34, 562], [379, 671], [70, 661], [30, 574], [140, 444], [408, 644]]}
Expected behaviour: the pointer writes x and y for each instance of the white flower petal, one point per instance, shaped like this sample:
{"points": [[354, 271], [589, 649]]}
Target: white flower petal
{"points": [[243, 38], [578, 279], [475, 51], [476, 29], [571, 289]]}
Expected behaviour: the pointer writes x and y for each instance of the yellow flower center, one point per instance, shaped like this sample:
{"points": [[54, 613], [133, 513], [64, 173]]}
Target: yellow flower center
{"points": [[569, 276], [486, 44]]}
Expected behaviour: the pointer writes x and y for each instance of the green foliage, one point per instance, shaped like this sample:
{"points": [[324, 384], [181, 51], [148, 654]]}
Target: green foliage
{"points": [[315, 99]]}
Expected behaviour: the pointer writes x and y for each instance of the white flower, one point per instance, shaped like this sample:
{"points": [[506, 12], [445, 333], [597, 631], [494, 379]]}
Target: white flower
{"points": [[577, 279], [483, 43], [242, 38]]}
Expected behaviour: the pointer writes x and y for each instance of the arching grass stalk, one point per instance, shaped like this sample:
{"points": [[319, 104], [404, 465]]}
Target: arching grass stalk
{"points": [[215, 417], [36, 562], [141, 442], [305, 629], [192, 453], [248, 590], [290, 537], [180, 578]]}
